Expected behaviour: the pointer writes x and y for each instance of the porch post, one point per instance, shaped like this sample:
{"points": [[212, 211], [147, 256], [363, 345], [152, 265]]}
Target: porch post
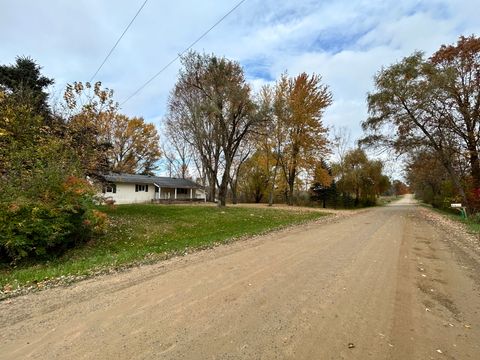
{"points": [[159, 192], [191, 194], [175, 193]]}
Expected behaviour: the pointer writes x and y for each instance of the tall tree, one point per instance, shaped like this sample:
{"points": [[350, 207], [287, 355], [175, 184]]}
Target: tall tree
{"points": [[432, 104], [270, 138], [187, 115], [24, 113], [212, 106], [300, 103], [456, 70]]}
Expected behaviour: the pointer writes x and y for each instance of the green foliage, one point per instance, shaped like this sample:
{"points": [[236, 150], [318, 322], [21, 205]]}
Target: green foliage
{"points": [[43, 209], [360, 178]]}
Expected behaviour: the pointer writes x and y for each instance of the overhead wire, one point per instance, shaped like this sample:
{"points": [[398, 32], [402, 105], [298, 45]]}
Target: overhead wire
{"points": [[183, 52], [118, 41]]}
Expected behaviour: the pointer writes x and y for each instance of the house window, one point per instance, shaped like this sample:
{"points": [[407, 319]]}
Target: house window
{"points": [[141, 188], [110, 188], [182, 191]]}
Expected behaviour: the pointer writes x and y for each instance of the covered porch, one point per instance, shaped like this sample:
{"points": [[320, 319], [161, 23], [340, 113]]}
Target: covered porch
{"points": [[177, 193]]}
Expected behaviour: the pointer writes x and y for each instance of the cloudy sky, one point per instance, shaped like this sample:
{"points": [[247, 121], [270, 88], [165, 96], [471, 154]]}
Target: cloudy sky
{"points": [[346, 42]]}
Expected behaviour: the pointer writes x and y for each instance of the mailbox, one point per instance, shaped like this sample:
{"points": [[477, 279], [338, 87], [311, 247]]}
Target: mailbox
{"points": [[462, 209]]}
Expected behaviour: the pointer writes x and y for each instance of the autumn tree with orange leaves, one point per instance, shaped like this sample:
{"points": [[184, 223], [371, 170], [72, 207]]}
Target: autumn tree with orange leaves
{"points": [[299, 106], [292, 139], [105, 139]]}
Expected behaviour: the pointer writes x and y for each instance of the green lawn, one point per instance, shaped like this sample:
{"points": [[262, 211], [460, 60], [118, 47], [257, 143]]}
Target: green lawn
{"points": [[147, 233]]}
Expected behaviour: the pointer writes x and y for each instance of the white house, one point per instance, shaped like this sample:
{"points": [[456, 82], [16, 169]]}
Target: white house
{"points": [[129, 189]]}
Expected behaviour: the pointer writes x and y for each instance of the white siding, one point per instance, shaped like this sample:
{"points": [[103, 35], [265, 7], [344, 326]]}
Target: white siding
{"points": [[126, 194], [199, 194]]}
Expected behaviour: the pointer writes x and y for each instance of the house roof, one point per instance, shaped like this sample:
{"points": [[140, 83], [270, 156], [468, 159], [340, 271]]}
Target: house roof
{"points": [[165, 182]]}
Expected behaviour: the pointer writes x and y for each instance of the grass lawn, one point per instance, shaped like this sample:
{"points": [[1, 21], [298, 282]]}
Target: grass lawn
{"points": [[146, 233]]}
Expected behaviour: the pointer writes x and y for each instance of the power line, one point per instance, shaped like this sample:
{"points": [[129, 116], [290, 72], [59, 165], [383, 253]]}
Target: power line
{"points": [[183, 52], [120, 38]]}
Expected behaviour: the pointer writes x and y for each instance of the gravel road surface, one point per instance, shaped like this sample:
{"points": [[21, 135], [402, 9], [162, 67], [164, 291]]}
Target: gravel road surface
{"points": [[393, 282]]}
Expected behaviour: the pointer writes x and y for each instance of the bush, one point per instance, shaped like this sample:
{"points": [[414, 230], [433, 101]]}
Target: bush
{"points": [[45, 205], [35, 227]]}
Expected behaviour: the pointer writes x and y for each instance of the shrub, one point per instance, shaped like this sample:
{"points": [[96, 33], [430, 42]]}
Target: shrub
{"points": [[33, 227], [44, 209]]}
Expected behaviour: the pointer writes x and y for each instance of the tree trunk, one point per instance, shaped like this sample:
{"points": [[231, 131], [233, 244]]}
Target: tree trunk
{"points": [[258, 197], [474, 165], [233, 187], [291, 182], [222, 194], [212, 182], [290, 193], [272, 185], [222, 191]]}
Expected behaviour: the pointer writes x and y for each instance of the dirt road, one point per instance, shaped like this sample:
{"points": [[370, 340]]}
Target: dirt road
{"points": [[387, 283]]}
